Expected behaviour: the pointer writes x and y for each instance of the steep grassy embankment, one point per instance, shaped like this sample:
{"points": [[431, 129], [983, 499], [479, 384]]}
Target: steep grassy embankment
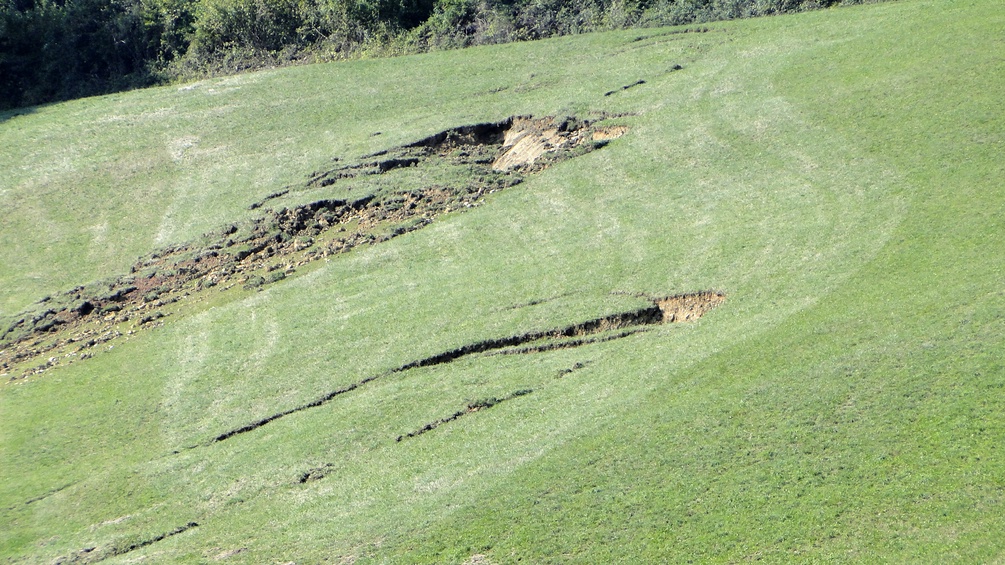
{"points": [[836, 175]]}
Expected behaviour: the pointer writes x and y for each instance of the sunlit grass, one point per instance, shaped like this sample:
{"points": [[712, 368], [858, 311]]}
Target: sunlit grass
{"points": [[835, 174]]}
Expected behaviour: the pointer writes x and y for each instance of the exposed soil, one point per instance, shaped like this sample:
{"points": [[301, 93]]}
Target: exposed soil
{"points": [[71, 326], [687, 307], [569, 343], [573, 369], [609, 133], [663, 310], [528, 140], [316, 474]]}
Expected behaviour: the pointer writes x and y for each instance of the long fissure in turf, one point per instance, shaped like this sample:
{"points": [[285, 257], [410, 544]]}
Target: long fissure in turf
{"points": [[669, 309], [471, 408], [96, 554]]}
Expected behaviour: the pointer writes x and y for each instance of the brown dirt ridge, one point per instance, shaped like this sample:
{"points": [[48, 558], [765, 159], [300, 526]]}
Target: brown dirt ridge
{"points": [[71, 325]]}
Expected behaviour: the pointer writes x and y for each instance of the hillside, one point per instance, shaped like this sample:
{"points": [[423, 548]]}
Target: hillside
{"points": [[722, 293], [52, 51]]}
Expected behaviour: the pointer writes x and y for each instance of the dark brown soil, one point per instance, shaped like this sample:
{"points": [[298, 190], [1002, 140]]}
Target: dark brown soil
{"points": [[625, 87]]}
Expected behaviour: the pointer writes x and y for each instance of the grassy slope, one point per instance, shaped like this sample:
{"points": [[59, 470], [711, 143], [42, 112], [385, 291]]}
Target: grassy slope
{"points": [[834, 173]]}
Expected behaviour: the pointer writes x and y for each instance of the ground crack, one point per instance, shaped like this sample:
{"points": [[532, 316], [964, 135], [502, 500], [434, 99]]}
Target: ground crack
{"points": [[322, 471], [669, 309], [471, 408], [626, 87], [93, 555], [568, 343], [43, 496]]}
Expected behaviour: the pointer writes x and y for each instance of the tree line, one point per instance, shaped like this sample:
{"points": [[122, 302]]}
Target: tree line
{"points": [[53, 50]]}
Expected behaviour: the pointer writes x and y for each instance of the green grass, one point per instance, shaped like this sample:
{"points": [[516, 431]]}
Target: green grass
{"points": [[835, 173]]}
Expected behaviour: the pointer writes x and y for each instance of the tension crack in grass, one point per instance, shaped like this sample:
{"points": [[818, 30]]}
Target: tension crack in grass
{"points": [[89, 555], [626, 87], [670, 309], [568, 344], [44, 495], [472, 407]]}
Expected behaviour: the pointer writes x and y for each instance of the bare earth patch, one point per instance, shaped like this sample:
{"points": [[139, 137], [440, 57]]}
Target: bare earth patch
{"points": [[71, 326]]}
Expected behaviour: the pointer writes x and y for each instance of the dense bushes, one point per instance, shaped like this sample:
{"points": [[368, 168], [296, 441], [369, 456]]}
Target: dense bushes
{"points": [[59, 49], [51, 49], [232, 35]]}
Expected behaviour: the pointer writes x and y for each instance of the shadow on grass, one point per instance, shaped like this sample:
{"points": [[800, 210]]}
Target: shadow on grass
{"points": [[6, 115]]}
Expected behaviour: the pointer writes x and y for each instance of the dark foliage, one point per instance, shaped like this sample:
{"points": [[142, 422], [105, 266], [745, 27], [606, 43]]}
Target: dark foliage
{"points": [[54, 50]]}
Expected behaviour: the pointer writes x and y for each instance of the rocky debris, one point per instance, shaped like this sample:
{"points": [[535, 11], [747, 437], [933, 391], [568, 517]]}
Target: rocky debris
{"points": [[527, 140]]}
